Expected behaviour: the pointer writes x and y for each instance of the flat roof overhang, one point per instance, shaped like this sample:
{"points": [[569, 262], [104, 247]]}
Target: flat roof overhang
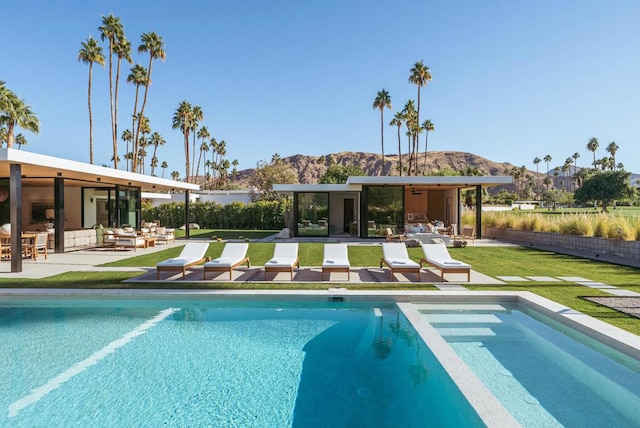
{"points": [[355, 183], [36, 168], [454, 181], [297, 188]]}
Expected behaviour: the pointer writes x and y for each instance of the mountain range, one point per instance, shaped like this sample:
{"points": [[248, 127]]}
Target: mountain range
{"points": [[309, 169]]}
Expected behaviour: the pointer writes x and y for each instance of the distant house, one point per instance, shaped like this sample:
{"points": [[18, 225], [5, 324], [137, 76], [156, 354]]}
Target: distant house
{"points": [[367, 206]]}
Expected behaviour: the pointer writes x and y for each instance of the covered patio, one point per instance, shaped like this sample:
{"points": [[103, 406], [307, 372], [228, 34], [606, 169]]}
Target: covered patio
{"points": [[38, 191], [368, 207]]}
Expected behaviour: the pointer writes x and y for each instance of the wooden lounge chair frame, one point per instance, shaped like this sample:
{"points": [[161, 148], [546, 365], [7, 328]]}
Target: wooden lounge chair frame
{"points": [[329, 269], [282, 268], [229, 269], [448, 269], [392, 237], [394, 269], [182, 268]]}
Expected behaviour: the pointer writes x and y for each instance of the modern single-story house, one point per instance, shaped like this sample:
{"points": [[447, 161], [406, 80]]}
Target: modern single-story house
{"points": [[38, 190], [367, 206]]}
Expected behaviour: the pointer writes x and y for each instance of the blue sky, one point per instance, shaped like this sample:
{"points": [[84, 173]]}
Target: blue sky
{"points": [[512, 80]]}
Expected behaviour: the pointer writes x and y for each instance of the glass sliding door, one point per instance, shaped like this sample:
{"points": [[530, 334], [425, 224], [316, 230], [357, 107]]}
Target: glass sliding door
{"points": [[384, 208], [313, 214]]}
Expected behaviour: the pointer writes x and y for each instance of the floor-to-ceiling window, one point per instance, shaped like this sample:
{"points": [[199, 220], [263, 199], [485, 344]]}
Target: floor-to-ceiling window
{"points": [[128, 206], [313, 214], [384, 209]]}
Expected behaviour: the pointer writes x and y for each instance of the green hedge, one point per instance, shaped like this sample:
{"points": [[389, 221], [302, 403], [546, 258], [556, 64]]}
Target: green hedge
{"points": [[210, 215]]}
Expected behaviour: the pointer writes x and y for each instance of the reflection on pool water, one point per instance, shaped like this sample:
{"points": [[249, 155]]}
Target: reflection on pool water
{"points": [[543, 372], [207, 363]]}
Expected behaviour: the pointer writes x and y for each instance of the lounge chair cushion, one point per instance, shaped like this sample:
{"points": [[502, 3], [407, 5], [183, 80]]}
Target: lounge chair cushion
{"points": [[191, 253], [232, 254], [439, 255], [284, 254], [336, 256], [396, 255]]}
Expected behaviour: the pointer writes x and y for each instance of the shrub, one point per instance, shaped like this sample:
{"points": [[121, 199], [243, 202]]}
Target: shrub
{"points": [[575, 225], [601, 227], [619, 229]]}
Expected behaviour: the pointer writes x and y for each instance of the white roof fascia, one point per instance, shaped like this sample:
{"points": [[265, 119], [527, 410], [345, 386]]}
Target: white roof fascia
{"points": [[151, 195], [61, 165], [455, 180], [290, 188]]}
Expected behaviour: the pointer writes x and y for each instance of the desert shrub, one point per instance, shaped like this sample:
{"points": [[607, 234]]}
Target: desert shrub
{"points": [[620, 229], [601, 226], [575, 225], [533, 222]]}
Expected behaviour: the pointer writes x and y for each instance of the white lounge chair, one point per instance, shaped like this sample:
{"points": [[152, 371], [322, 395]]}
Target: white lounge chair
{"points": [[233, 255], [336, 259], [396, 257], [438, 256], [192, 254], [285, 258]]}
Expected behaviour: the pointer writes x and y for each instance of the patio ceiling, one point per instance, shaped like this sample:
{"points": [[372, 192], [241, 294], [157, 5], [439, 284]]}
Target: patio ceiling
{"points": [[39, 170]]}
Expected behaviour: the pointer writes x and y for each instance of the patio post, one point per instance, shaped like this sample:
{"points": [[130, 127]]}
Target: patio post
{"points": [[479, 211], [15, 212], [187, 202], [58, 206]]}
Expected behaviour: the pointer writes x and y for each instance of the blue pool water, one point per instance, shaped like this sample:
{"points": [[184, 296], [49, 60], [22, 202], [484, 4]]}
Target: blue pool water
{"points": [[219, 364], [543, 372]]}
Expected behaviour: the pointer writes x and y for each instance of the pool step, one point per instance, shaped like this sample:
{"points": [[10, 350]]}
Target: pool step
{"points": [[448, 307], [462, 318], [466, 333]]}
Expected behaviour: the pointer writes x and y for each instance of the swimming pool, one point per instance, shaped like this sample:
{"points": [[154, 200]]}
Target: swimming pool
{"points": [[545, 373], [112, 362]]}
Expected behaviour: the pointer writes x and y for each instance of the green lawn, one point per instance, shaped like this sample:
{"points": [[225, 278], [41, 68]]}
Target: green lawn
{"points": [[492, 261], [226, 233]]}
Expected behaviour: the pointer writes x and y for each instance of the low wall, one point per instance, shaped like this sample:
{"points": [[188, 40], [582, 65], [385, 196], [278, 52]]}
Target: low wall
{"points": [[604, 249]]}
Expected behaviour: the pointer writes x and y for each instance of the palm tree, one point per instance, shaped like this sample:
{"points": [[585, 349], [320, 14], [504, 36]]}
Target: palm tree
{"points": [[592, 146], [203, 133], [420, 75], [14, 112], [410, 118], [428, 127], [575, 157], [381, 101], [111, 29], [137, 76], [164, 166], [182, 119], [612, 148], [547, 159], [91, 52], [3, 134], [204, 147], [197, 116], [537, 161], [156, 140], [175, 175], [127, 137], [122, 49], [397, 121], [235, 164], [566, 168], [21, 141], [154, 45]]}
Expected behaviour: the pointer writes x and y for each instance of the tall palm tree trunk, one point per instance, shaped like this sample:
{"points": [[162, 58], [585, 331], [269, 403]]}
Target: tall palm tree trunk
{"points": [[399, 154], [133, 127], [144, 103], [113, 130], [382, 136], [90, 116], [115, 117], [426, 144]]}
